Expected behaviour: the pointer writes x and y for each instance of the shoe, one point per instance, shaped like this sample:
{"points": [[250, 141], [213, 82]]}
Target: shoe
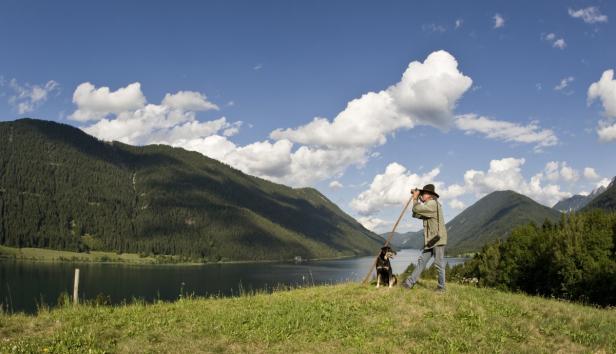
{"points": [[406, 286], [440, 290]]}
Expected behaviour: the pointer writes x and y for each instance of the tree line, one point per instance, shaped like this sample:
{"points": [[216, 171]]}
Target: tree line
{"points": [[573, 259]]}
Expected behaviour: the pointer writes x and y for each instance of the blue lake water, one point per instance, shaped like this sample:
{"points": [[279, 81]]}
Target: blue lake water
{"points": [[23, 285]]}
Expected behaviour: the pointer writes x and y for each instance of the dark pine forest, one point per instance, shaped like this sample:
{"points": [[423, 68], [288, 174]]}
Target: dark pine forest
{"points": [[63, 189]]}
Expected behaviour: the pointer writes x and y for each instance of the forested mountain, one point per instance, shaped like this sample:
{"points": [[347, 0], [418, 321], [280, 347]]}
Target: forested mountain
{"points": [[605, 200], [63, 189], [493, 217], [577, 201]]}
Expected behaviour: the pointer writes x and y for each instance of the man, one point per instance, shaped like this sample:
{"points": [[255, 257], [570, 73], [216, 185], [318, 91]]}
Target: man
{"points": [[427, 208]]}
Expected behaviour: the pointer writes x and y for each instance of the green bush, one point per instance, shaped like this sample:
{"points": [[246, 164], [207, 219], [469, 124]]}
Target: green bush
{"points": [[574, 259]]}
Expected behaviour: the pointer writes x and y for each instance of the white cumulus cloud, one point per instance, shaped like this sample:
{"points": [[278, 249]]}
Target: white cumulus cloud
{"points": [[506, 174], [392, 187], [606, 131], [96, 104], [456, 204], [555, 170], [322, 149], [604, 90], [188, 101], [278, 161], [124, 115], [591, 174], [373, 223], [426, 94], [335, 184]]}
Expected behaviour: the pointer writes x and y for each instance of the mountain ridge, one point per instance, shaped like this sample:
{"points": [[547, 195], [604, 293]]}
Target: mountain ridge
{"points": [[606, 200], [492, 217], [63, 189], [578, 201]]}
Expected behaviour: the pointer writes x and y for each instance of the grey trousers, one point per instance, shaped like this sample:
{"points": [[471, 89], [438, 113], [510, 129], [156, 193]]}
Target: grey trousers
{"points": [[438, 252]]}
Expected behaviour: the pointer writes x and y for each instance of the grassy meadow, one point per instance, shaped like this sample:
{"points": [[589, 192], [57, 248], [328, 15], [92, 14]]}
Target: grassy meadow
{"points": [[47, 255], [325, 319]]}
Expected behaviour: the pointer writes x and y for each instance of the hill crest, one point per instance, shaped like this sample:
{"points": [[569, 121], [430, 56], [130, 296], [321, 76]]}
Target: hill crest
{"points": [[492, 217]]}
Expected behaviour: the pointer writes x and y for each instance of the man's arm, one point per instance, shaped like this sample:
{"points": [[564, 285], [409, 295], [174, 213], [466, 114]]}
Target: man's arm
{"points": [[424, 211]]}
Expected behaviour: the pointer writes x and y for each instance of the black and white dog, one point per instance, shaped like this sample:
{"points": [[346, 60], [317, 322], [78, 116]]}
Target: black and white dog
{"points": [[384, 273]]}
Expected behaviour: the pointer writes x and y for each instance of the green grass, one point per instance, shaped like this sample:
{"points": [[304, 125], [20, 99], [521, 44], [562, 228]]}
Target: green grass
{"points": [[47, 255], [324, 319]]}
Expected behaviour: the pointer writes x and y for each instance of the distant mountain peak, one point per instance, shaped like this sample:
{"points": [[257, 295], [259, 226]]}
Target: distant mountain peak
{"points": [[493, 217], [578, 201], [605, 200]]}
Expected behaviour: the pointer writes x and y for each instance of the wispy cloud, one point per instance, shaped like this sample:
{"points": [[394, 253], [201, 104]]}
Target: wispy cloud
{"points": [[559, 43], [26, 97], [564, 83], [432, 27], [507, 131], [556, 42], [590, 14]]}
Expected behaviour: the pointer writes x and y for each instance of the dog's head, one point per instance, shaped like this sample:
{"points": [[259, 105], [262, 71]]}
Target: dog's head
{"points": [[387, 252]]}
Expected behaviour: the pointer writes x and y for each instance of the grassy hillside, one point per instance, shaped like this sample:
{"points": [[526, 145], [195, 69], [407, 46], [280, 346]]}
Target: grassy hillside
{"points": [[325, 319], [605, 200], [63, 189], [492, 218]]}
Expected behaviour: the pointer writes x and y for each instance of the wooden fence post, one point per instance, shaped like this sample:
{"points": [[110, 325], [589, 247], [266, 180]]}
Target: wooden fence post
{"points": [[76, 287]]}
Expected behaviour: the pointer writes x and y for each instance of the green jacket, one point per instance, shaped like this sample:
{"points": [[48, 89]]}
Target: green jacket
{"points": [[427, 212]]}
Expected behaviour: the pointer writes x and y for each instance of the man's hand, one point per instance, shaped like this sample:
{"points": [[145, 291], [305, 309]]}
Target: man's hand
{"points": [[415, 193]]}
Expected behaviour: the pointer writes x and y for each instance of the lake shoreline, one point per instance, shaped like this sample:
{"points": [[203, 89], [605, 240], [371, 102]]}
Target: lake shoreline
{"points": [[44, 255], [28, 284]]}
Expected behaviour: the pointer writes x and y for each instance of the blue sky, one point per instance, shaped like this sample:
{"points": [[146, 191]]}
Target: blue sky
{"points": [[504, 101]]}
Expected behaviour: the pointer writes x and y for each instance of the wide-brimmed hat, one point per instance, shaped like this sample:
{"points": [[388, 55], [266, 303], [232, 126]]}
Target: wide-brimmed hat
{"points": [[428, 188]]}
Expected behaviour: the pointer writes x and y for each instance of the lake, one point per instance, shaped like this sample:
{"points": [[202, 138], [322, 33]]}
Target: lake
{"points": [[24, 284]]}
